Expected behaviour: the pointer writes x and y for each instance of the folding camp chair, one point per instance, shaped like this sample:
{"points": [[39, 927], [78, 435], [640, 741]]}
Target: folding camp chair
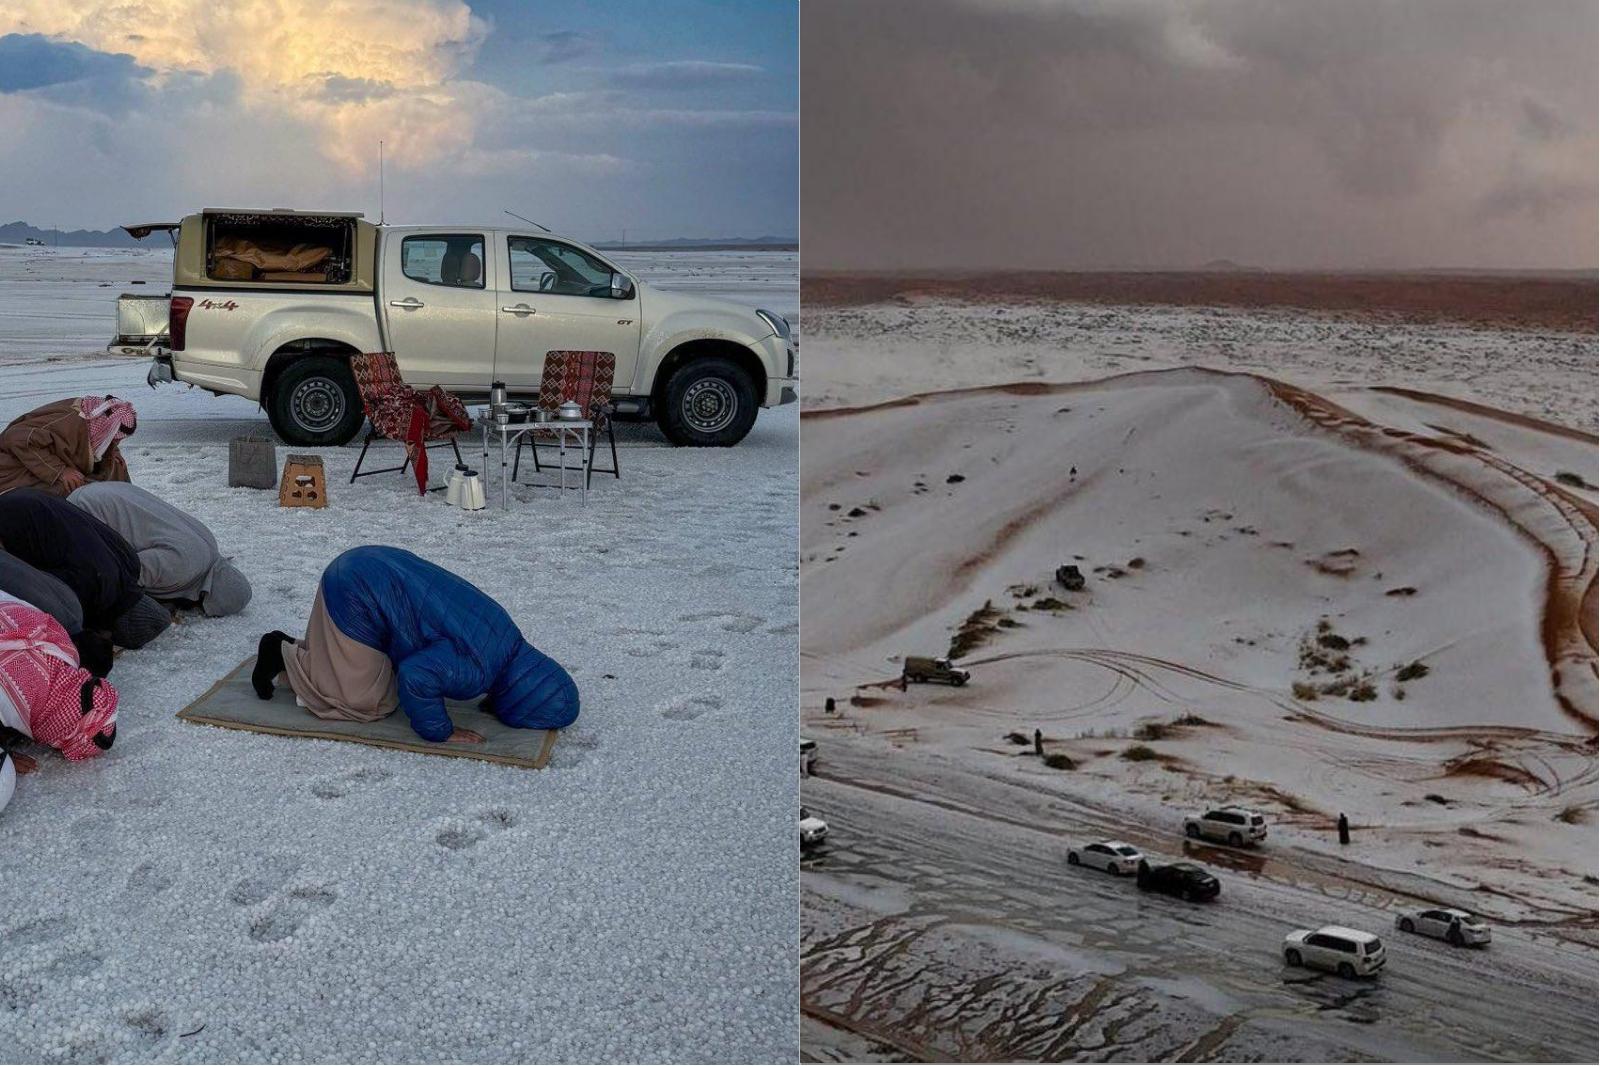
{"points": [[585, 378], [401, 413]]}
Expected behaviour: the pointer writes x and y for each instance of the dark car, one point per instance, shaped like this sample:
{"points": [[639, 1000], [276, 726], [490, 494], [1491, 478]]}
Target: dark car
{"points": [[1184, 880]]}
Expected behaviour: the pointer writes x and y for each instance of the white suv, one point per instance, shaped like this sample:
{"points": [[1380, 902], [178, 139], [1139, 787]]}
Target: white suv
{"points": [[1346, 952], [1229, 825], [813, 830]]}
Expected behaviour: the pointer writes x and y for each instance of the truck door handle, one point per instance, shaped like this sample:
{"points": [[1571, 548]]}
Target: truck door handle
{"points": [[520, 309], [408, 302]]}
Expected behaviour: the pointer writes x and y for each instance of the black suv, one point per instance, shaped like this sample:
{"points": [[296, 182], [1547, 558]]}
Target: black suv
{"points": [[1184, 880]]}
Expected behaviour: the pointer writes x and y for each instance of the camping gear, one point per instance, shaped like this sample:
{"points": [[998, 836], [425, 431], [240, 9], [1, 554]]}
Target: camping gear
{"points": [[452, 489], [580, 380], [472, 495], [304, 482], [252, 463], [401, 413], [497, 394], [567, 437], [232, 703], [141, 320]]}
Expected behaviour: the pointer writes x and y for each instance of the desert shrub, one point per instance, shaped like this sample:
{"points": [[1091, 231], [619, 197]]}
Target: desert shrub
{"points": [[1017, 738], [1050, 603], [1136, 563], [1567, 477], [1412, 670], [1139, 753], [1333, 641], [1304, 691], [1190, 718], [1057, 761], [1574, 815], [1363, 691], [1153, 731]]}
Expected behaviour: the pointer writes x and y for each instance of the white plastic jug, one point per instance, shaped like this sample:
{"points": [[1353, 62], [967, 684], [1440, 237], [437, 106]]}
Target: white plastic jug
{"points": [[452, 490], [472, 497]]}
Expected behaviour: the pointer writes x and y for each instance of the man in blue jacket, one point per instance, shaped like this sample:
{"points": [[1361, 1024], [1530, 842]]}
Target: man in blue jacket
{"points": [[391, 629]]}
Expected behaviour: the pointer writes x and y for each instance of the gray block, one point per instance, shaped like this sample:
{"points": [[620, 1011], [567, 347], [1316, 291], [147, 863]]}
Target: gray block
{"points": [[253, 463]]}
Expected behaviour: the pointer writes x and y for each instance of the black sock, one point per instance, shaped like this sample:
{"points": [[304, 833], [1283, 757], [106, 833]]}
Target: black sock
{"points": [[269, 662]]}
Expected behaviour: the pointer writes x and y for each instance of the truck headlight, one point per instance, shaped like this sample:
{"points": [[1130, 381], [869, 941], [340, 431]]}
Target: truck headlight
{"points": [[779, 324]]}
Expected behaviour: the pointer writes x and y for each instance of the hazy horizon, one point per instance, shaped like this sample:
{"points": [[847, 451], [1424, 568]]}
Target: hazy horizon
{"points": [[1112, 135]]}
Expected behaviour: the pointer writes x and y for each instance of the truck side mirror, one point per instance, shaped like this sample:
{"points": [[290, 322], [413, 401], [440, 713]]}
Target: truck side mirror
{"points": [[621, 286]]}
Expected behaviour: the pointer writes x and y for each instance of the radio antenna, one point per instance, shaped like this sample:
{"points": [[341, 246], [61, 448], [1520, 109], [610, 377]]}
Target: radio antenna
{"points": [[380, 182], [529, 221]]}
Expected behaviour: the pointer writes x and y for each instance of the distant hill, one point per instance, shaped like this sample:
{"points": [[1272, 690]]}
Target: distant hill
{"points": [[1226, 266], [18, 232]]}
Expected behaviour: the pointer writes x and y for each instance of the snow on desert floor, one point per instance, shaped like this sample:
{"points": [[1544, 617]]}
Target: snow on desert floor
{"points": [[1324, 576], [210, 895]]}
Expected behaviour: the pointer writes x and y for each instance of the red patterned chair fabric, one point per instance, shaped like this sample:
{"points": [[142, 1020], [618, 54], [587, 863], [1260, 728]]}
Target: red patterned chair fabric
{"points": [[581, 376], [401, 413], [585, 378]]}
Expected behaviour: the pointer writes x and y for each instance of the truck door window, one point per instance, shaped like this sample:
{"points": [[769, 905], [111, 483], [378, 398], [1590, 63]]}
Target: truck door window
{"points": [[452, 259], [539, 265]]}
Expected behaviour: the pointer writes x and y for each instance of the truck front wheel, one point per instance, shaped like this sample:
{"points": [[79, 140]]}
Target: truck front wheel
{"points": [[708, 403], [315, 402]]}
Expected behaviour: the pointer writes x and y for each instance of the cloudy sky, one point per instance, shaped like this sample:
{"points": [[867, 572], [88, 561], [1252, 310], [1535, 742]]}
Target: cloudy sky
{"points": [[1147, 133], [670, 119]]}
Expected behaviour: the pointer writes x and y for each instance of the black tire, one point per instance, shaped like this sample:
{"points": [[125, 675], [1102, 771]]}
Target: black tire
{"points": [[314, 402], [708, 403], [1236, 840], [1454, 936], [1406, 926], [958, 681], [1347, 971], [1072, 858], [1192, 832], [1292, 957]]}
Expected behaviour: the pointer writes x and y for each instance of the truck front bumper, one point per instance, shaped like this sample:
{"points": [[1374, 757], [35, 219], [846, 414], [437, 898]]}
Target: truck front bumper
{"points": [[782, 358]]}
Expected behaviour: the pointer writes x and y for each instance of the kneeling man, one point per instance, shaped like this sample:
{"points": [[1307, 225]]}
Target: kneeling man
{"points": [[391, 629], [179, 563]]}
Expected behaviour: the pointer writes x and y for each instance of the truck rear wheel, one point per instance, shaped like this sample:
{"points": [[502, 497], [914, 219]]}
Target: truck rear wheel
{"points": [[708, 403], [315, 402]]}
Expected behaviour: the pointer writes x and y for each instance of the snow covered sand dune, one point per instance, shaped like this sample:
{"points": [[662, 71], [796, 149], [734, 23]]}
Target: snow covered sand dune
{"points": [[859, 355], [290, 900], [1245, 543]]}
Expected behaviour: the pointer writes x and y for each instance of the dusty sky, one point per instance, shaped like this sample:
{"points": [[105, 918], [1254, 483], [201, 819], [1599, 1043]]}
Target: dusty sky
{"points": [[1082, 134], [669, 119]]}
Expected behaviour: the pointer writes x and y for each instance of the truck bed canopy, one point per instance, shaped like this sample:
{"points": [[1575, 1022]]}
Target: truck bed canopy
{"points": [[279, 246]]}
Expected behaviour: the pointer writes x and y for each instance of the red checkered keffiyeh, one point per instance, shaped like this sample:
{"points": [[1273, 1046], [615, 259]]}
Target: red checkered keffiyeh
{"points": [[110, 420], [40, 684]]}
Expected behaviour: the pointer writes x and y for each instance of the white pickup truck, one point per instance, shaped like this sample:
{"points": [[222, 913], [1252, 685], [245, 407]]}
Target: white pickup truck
{"points": [[269, 305]]}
